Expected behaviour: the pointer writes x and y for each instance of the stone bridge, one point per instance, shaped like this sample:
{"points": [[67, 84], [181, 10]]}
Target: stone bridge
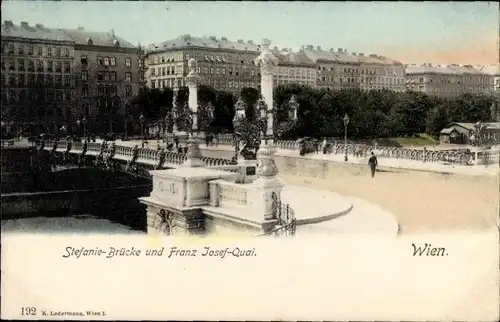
{"points": [[108, 155]]}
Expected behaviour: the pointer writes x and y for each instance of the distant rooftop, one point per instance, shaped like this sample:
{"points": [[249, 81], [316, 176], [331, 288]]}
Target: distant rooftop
{"points": [[38, 31], [287, 57], [453, 69], [81, 36], [489, 69], [77, 36], [342, 56], [186, 41]]}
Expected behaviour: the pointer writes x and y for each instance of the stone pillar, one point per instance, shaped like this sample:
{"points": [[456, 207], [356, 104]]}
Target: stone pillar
{"points": [[267, 63], [267, 183], [192, 80]]}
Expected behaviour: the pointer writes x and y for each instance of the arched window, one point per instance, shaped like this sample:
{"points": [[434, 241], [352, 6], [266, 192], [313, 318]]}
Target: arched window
{"points": [[89, 41], [116, 43]]}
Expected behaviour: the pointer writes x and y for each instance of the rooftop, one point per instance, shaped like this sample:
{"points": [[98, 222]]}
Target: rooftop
{"points": [[453, 69], [186, 41], [107, 39], [489, 69], [472, 126], [291, 58], [24, 30], [342, 56]]}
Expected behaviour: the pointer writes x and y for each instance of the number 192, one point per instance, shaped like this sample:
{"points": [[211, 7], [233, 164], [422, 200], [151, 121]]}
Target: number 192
{"points": [[28, 311]]}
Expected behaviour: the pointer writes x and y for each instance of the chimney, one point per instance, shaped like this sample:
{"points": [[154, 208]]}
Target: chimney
{"points": [[250, 42], [213, 38], [339, 50], [24, 24], [240, 41], [8, 23], [39, 26], [223, 38], [310, 47], [361, 54], [331, 50], [112, 32], [354, 54]]}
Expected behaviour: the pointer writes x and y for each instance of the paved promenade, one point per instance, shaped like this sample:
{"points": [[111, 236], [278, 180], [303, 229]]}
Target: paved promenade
{"points": [[384, 163], [319, 212]]}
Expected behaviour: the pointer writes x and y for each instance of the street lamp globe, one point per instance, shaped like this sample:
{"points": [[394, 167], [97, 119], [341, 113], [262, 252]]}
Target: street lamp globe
{"points": [[346, 119], [141, 118]]}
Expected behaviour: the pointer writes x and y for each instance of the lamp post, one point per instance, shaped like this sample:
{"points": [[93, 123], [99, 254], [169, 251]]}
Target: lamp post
{"points": [[141, 122], [346, 122], [478, 133], [78, 124], [84, 121]]}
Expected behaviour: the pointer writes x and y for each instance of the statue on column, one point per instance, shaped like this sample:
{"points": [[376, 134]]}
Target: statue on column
{"points": [[266, 60]]}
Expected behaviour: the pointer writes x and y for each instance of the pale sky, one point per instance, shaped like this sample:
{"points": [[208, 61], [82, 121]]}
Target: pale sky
{"points": [[411, 32]]}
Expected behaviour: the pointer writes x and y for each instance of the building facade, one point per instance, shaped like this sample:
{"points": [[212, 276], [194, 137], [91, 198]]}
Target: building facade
{"points": [[294, 68], [37, 77], [223, 64], [494, 72], [107, 70], [54, 77], [447, 81], [338, 70]]}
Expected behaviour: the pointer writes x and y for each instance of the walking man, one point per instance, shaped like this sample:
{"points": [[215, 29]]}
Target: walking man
{"points": [[372, 162]]}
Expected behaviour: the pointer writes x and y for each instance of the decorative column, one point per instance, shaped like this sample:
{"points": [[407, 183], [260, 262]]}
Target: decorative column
{"points": [[267, 183], [192, 80], [266, 167]]}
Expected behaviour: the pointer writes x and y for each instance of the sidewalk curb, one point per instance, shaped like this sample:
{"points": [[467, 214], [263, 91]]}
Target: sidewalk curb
{"points": [[315, 220]]}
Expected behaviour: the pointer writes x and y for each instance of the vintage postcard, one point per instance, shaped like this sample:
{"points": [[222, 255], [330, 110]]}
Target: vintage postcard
{"points": [[250, 160]]}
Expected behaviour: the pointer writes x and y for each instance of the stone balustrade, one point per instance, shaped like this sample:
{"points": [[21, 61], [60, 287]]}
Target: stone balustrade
{"points": [[224, 193], [146, 153]]}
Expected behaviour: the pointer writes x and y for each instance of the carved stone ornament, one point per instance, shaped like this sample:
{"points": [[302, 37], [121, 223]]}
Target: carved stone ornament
{"points": [[192, 78], [194, 153], [266, 60], [266, 167]]}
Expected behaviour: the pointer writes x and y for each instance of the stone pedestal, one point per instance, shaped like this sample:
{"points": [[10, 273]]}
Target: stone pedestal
{"points": [[248, 171], [262, 195], [181, 193]]}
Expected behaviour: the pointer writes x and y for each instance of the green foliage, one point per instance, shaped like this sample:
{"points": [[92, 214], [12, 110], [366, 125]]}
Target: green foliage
{"points": [[377, 114]]}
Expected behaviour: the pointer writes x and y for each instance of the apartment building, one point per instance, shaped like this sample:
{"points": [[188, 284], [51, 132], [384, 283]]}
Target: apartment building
{"points": [[293, 68], [222, 63], [494, 71], [107, 69], [338, 69], [37, 77], [447, 81]]}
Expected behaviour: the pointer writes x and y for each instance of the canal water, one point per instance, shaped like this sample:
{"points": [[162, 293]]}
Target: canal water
{"points": [[71, 224]]}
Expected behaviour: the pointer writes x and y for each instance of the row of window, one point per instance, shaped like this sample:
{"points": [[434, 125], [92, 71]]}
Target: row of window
{"points": [[453, 81], [48, 66], [106, 90], [168, 70], [245, 72], [30, 95], [362, 71], [105, 61], [363, 80], [200, 57], [47, 51], [21, 80], [294, 72]]}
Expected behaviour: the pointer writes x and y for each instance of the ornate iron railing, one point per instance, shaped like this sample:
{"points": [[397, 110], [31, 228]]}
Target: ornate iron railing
{"points": [[286, 222]]}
